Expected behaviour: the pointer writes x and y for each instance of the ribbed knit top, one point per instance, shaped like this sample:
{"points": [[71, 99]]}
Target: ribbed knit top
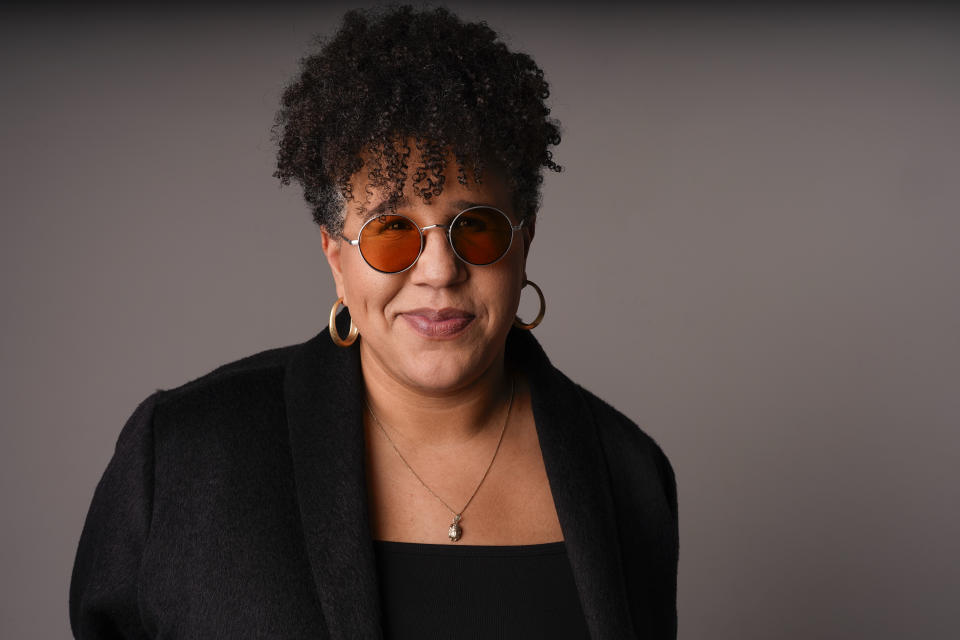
{"points": [[459, 591]]}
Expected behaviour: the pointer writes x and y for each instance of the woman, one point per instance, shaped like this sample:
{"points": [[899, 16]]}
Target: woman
{"points": [[419, 468]]}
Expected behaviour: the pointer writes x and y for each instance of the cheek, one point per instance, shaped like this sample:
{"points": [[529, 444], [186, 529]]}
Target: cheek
{"points": [[504, 291], [366, 292], [352, 278]]}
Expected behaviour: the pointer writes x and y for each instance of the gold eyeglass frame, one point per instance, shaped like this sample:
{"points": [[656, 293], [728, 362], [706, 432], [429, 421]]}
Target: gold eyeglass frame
{"points": [[447, 227]]}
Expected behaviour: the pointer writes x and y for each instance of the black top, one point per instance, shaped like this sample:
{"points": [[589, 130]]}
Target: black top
{"points": [[462, 591]]}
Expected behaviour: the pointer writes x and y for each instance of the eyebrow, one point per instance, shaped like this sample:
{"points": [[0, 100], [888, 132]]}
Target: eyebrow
{"points": [[380, 209], [384, 207]]}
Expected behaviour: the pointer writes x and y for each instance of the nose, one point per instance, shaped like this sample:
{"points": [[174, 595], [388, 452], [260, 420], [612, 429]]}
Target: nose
{"points": [[438, 265]]}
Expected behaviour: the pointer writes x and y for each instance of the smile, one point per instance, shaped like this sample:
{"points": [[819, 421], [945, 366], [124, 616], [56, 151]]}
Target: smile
{"points": [[438, 324]]}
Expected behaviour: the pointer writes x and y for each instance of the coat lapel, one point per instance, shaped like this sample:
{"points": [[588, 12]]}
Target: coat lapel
{"points": [[577, 472], [324, 388]]}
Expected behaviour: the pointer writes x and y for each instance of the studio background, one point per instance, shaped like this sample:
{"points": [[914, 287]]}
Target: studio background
{"points": [[753, 252]]}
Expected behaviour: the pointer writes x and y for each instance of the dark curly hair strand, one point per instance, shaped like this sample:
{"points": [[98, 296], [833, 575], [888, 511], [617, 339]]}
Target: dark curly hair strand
{"points": [[388, 78]]}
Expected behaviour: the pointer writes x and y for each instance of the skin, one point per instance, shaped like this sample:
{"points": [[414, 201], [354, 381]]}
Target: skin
{"points": [[391, 311], [439, 386]]}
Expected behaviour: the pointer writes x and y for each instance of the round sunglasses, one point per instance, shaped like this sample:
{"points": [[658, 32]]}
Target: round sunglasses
{"points": [[392, 243]]}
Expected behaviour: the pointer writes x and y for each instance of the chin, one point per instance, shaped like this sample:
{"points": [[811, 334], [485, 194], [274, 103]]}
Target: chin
{"points": [[438, 372]]}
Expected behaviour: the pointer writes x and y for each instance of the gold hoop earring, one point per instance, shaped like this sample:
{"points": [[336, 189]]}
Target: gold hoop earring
{"points": [[520, 324], [351, 335]]}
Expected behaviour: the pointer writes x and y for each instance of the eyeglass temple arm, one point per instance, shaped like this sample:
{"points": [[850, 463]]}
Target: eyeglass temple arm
{"points": [[518, 227]]}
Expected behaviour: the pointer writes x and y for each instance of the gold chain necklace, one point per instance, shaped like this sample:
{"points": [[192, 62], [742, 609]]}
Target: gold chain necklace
{"points": [[455, 531]]}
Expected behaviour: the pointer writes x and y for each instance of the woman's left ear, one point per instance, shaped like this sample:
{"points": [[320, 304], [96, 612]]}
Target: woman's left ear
{"points": [[529, 229], [331, 249]]}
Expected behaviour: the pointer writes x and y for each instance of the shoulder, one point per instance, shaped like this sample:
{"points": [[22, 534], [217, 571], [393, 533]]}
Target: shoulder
{"points": [[247, 379], [267, 363], [241, 399], [619, 430], [630, 451], [214, 435], [633, 456]]}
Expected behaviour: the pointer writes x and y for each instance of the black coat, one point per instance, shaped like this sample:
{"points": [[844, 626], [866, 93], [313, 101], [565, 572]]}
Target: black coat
{"points": [[235, 506]]}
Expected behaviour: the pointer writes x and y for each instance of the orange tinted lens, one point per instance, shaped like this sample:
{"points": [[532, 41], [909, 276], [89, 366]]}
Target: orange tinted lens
{"points": [[390, 243], [481, 235]]}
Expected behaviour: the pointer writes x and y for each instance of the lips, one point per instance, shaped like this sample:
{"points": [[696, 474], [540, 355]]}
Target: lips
{"points": [[438, 323]]}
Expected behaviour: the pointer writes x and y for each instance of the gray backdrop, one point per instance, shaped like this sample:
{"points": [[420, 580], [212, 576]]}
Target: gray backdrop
{"points": [[753, 252]]}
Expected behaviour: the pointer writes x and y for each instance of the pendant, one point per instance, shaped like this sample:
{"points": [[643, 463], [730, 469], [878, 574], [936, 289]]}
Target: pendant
{"points": [[455, 530]]}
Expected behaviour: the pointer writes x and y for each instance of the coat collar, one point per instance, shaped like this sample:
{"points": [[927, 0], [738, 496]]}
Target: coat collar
{"points": [[323, 392]]}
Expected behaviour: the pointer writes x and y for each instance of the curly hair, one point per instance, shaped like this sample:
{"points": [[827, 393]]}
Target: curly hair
{"points": [[397, 76]]}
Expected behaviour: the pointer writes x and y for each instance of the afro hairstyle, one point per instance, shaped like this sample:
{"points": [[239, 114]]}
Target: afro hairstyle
{"points": [[398, 77]]}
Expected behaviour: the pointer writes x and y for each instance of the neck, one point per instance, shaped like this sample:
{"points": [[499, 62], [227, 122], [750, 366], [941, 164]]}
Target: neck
{"points": [[438, 418]]}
